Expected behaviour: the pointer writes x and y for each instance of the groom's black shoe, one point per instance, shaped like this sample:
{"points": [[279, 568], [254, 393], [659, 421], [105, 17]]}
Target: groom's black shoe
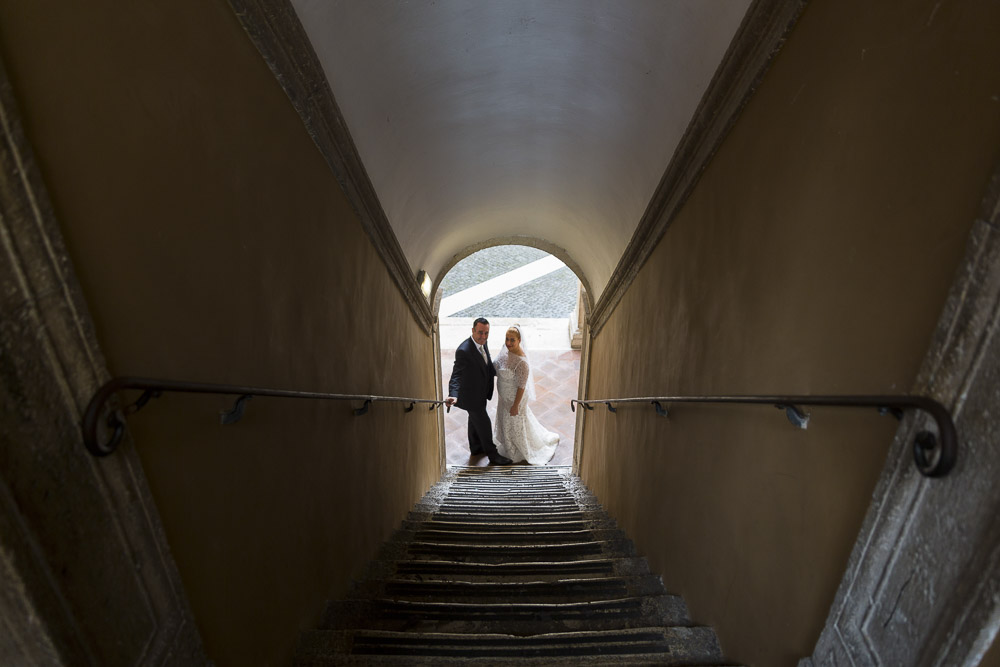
{"points": [[500, 460]]}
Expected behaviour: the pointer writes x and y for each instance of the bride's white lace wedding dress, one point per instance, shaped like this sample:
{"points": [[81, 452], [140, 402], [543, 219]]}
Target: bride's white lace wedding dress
{"points": [[520, 438]]}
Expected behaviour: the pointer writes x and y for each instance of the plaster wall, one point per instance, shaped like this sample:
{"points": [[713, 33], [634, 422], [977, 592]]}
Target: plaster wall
{"points": [[992, 657], [214, 244], [813, 256]]}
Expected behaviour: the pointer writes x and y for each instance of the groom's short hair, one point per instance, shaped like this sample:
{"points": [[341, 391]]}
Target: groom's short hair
{"points": [[480, 320]]}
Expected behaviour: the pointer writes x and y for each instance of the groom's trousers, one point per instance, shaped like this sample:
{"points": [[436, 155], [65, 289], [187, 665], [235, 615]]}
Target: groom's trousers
{"points": [[481, 433]]}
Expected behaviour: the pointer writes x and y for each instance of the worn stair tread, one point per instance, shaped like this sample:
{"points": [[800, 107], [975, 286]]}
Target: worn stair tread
{"points": [[536, 509], [500, 535], [471, 516], [533, 506], [684, 645], [503, 565], [513, 553], [592, 588], [482, 522], [486, 513], [473, 471], [431, 569], [510, 526], [506, 494], [403, 550], [531, 493], [438, 661], [506, 617], [491, 539], [526, 486]]}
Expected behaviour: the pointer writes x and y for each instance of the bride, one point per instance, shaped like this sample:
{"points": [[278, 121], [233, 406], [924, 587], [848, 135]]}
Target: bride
{"points": [[518, 434]]}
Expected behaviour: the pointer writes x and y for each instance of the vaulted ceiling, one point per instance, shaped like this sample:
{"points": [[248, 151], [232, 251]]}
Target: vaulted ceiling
{"points": [[548, 119]]}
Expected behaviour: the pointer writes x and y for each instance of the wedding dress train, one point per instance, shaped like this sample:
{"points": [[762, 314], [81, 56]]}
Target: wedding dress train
{"points": [[520, 438]]}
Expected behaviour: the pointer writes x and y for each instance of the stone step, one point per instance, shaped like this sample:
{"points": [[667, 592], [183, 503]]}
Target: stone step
{"points": [[528, 484], [508, 565], [552, 512], [493, 490], [400, 548], [484, 499], [505, 618], [478, 502], [440, 661], [501, 493], [526, 488], [499, 535], [499, 488], [564, 590], [560, 486], [518, 517], [432, 570], [510, 526], [516, 553], [669, 645], [494, 472]]}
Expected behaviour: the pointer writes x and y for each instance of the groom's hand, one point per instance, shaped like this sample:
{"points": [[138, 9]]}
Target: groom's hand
{"points": [[450, 401]]}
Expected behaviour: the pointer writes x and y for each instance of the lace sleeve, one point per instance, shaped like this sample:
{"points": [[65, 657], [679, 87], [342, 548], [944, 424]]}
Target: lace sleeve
{"points": [[521, 373]]}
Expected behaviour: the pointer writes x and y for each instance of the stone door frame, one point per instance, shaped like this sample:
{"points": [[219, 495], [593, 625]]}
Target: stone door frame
{"points": [[86, 575], [922, 585]]}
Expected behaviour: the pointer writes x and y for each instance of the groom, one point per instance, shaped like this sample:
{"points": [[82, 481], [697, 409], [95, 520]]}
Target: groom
{"points": [[471, 385]]}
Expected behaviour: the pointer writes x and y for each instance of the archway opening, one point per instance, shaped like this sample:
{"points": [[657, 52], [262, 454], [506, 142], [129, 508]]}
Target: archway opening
{"points": [[510, 284]]}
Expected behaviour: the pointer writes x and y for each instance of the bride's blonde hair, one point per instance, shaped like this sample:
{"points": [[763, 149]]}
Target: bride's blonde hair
{"points": [[517, 329]]}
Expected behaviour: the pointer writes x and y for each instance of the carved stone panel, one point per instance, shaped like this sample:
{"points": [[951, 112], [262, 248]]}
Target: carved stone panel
{"points": [[922, 586], [86, 573]]}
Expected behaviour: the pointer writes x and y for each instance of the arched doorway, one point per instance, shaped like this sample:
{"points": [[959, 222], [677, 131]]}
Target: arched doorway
{"points": [[510, 283]]}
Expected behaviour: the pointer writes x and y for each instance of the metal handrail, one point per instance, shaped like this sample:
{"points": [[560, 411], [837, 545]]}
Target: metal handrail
{"points": [[153, 388], [933, 455]]}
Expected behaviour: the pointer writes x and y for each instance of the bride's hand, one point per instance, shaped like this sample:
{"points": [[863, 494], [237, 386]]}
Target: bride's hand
{"points": [[513, 411]]}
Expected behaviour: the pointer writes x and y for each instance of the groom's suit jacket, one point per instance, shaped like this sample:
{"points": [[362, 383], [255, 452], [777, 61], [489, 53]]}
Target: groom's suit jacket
{"points": [[471, 377]]}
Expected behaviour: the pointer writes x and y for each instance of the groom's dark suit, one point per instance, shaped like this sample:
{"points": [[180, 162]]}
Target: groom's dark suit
{"points": [[472, 384]]}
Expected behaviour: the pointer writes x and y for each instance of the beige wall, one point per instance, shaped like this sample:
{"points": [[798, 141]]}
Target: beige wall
{"points": [[214, 244], [813, 257], [992, 657]]}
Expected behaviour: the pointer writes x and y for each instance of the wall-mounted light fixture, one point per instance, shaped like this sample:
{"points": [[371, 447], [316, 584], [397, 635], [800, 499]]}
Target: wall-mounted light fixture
{"points": [[424, 281]]}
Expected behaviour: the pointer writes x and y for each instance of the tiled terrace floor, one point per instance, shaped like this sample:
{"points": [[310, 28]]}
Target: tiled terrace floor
{"points": [[556, 373]]}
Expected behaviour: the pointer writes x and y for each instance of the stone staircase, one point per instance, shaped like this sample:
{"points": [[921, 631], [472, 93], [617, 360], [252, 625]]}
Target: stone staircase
{"points": [[503, 565]]}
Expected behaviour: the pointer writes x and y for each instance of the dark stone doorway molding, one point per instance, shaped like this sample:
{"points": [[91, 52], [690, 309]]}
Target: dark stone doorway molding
{"points": [[922, 585], [86, 575]]}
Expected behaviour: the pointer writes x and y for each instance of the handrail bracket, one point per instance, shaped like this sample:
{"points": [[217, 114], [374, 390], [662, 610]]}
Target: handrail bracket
{"points": [[140, 402], [927, 453], [934, 453], [151, 388], [796, 415], [234, 415], [888, 410]]}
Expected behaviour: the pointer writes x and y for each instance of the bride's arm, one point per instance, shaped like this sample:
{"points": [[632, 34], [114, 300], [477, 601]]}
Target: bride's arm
{"points": [[521, 375], [517, 402]]}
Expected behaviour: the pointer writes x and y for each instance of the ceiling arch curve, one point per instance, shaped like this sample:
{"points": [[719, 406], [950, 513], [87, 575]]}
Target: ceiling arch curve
{"points": [[521, 117], [586, 122]]}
